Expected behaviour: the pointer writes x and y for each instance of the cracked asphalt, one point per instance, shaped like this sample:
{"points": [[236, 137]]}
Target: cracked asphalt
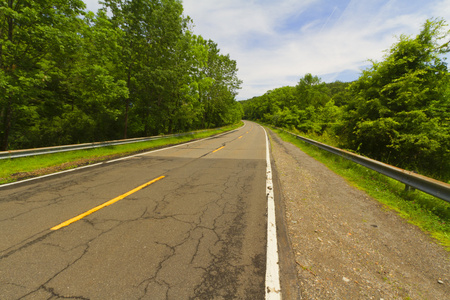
{"points": [[198, 233]]}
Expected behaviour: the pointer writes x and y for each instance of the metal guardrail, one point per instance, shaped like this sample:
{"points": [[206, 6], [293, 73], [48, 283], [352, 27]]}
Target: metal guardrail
{"points": [[428, 185], [49, 150]]}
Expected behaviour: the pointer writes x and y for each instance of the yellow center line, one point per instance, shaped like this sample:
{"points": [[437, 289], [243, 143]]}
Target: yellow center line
{"points": [[218, 149], [79, 217]]}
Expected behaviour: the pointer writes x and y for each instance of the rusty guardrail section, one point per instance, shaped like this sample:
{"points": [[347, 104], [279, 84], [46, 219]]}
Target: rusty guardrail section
{"points": [[48, 150], [428, 185]]}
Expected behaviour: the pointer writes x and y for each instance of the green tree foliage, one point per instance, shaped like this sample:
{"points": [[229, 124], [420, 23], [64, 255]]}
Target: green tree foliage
{"points": [[217, 101], [38, 40], [400, 110], [69, 76], [308, 107], [312, 92]]}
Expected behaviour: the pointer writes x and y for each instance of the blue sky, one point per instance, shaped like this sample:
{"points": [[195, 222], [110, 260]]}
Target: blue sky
{"points": [[276, 42]]}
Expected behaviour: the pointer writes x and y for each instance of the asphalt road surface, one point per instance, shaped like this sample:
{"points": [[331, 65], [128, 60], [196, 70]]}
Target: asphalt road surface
{"points": [[187, 222]]}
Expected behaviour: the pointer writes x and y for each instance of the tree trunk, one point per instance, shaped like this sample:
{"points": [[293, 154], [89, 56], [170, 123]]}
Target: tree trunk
{"points": [[127, 104], [6, 126], [146, 121], [8, 110]]}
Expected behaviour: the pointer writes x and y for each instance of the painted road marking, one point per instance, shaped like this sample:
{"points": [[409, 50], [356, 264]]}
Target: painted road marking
{"points": [[218, 149], [240, 137], [273, 290], [79, 217], [115, 160]]}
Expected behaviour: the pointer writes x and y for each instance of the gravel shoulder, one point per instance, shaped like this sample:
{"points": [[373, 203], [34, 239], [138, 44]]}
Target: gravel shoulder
{"points": [[346, 245]]}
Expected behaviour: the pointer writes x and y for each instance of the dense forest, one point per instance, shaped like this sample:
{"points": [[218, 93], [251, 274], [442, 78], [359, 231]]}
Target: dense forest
{"points": [[132, 69], [398, 111]]}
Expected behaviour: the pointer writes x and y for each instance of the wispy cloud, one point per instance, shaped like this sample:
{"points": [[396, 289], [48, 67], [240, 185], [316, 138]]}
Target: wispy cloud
{"points": [[277, 42]]}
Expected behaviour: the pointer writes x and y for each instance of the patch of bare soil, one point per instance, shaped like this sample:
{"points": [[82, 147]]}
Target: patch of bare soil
{"points": [[349, 246]]}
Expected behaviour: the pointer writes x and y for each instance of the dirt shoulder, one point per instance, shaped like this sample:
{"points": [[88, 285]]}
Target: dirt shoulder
{"points": [[347, 245]]}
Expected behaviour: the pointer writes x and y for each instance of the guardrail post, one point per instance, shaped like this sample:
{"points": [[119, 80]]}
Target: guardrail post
{"points": [[409, 188]]}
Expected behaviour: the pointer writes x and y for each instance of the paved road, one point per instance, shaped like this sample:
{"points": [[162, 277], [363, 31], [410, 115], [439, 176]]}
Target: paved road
{"points": [[199, 232]]}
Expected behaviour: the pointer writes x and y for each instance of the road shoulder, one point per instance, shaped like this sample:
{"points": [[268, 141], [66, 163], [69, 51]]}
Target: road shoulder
{"points": [[346, 244]]}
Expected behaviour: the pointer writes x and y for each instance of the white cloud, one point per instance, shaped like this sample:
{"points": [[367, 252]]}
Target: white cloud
{"points": [[324, 37], [277, 42]]}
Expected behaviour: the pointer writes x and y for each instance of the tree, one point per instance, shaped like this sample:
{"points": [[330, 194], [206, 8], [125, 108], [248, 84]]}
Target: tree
{"points": [[220, 87], [135, 68], [152, 61], [400, 110], [311, 91], [33, 35], [313, 96]]}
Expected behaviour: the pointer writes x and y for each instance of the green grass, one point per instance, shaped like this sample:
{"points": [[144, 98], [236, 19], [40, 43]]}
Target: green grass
{"points": [[430, 214], [20, 168]]}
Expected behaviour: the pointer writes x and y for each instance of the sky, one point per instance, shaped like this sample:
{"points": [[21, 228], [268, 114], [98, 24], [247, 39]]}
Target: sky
{"points": [[277, 42]]}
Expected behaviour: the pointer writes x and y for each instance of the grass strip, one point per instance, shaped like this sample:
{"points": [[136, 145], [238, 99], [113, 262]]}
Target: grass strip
{"points": [[12, 170], [430, 214]]}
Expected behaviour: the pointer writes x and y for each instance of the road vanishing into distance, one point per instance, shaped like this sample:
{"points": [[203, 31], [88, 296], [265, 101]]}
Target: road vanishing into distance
{"points": [[185, 222]]}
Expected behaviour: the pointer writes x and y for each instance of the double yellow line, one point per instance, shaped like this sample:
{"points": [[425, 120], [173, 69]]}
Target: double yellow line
{"points": [[79, 217]]}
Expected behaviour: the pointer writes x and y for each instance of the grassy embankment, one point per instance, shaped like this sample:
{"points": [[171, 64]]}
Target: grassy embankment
{"points": [[430, 214], [21, 168]]}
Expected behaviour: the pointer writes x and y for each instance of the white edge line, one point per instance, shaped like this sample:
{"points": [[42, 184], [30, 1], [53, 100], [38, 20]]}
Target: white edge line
{"points": [[110, 161], [272, 288]]}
